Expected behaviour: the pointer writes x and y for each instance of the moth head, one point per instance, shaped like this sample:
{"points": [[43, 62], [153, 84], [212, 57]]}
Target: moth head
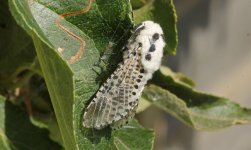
{"points": [[152, 29]]}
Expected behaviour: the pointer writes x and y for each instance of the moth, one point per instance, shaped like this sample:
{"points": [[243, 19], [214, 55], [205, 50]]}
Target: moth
{"points": [[116, 101]]}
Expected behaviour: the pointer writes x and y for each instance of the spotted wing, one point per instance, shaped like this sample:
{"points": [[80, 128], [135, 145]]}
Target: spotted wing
{"points": [[117, 98]]}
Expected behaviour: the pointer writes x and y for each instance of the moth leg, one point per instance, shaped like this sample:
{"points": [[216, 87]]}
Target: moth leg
{"points": [[106, 61], [101, 69], [100, 65], [104, 57], [97, 69]]}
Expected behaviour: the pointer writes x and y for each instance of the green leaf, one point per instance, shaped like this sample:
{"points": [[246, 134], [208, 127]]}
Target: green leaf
{"points": [[49, 123], [143, 104], [61, 93], [198, 110], [162, 12], [122, 139], [17, 132], [177, 77], [71, 86], [138, 3], [16, 46], [130, 136], [17, 51], [4, 141]]}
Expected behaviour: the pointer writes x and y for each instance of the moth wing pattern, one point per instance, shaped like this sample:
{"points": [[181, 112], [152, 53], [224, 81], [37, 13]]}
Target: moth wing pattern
{"points": [[131, 114], [115, 100]]}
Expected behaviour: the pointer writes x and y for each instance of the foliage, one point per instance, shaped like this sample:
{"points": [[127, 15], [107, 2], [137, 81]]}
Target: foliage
{"points": [[37, 51]]}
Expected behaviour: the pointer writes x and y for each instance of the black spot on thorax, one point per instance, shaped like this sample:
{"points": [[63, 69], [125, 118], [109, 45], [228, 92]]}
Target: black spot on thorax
{"points": [[155, 36], [152, 48], [148, 57]]}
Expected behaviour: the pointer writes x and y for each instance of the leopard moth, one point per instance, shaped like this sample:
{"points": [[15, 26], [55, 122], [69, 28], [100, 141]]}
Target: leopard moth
{"points": [[117, 99]]}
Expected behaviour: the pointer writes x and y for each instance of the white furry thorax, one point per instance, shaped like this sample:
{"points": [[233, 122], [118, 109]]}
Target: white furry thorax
{"points": [[145, 35]]}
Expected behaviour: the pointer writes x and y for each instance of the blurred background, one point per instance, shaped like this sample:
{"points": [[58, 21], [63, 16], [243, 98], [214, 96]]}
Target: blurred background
{"points": [[215, 51]]}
